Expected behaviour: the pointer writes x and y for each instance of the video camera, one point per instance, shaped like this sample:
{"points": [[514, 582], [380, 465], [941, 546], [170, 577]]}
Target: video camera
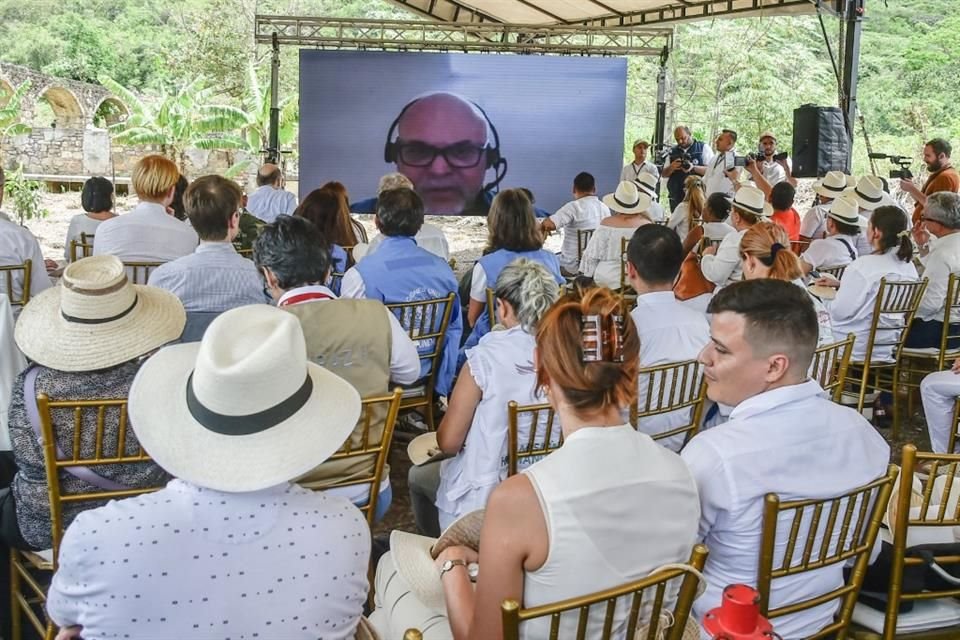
{"points": [[903, 173], [742, 161]]}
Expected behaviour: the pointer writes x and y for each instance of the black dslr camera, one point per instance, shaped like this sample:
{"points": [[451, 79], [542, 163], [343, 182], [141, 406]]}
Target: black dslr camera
{"points": [[686, 160], [903, 173]]}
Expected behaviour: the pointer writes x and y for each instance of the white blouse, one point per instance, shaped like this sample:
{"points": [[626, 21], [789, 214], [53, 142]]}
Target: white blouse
{"points": [[603, 256], [724, 267]]}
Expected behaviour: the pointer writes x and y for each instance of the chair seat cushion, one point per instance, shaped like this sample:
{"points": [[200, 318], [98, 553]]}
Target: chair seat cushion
{"points": [[926, 614]]}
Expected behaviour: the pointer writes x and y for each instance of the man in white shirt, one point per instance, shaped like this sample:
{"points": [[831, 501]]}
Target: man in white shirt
{"points": [[271, 199], [584, 212], [648, 184], [720, 174], [839, 248], [784, 436], [669, 331], [828, 188], [148, 233], [214, 278], [938, 236], [640, 164], [773, 171]]}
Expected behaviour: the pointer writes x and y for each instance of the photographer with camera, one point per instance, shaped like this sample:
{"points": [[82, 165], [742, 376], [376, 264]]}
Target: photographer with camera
{"points": [[774, 166], [943, 177], [722, 174], [681, 161]]}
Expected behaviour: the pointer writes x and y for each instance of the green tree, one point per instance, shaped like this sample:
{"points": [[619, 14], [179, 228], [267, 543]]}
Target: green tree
{"points": [[11, 113]]}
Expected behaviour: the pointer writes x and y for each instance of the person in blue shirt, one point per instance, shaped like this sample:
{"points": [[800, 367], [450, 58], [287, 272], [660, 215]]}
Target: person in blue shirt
{"points": [[400, 271]]}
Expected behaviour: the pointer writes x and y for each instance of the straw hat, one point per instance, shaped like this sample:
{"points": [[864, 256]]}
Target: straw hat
{"points": [[627, 199], [846, 209], [414, 556], [423, 448], [869, 192], [831, 185], [96, 319], [647, 183], [752, 200], [244, 409]]}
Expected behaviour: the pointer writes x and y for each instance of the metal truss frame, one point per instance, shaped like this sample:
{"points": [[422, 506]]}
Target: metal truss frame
{"points": [[485, 37]]}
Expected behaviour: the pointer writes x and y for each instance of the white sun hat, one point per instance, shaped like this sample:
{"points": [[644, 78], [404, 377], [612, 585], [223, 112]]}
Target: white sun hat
{"points": [[95, 318], [647, 183], [752, 200], [869, 192], [846, 209], [243, 409], [424, 448], [832, 185], [627, 199]]}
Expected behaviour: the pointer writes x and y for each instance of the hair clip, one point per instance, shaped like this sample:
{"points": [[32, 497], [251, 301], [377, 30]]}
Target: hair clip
{"points": [[775, 249], [904, 234], [601, 338]]}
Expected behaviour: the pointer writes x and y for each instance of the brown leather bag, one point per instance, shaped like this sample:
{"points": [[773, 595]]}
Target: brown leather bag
{"points": [[690, 281]]}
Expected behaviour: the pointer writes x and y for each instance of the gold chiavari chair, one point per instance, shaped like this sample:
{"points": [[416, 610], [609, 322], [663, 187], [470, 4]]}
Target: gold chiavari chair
{"points": [[371, 411], [895, 307], [928, 510], [799, 246], [25, 271], [669, 388], [492, 307], [139, 271], [830, 364], [412, 634], [359, 230], [955, 432], [642, 608], [919, 362], [453, 264], [426, 323], [543, 438], [628, 296], [91, 448], [82, 248], [583, 238], [246, 253], [836, 272], [847, 536]]}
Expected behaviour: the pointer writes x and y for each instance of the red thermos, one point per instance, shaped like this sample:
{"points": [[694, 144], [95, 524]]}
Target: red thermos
{"points": [[738, 616]]}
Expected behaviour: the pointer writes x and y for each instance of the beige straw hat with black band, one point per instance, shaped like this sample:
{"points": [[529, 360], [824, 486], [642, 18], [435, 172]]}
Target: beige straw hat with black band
{"points": [[95, 318], [752, 200]]}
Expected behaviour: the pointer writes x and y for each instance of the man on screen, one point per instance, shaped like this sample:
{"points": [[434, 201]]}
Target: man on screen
{"points": [[445, 144]]}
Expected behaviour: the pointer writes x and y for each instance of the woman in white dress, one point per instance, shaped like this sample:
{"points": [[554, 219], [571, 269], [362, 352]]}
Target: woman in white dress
{"points": [[689, 212], [97, 201], [603, 257], [765, 253], [577, 521]]}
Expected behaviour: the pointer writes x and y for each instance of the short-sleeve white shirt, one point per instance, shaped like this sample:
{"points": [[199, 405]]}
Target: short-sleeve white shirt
{"points": [[147, 233], [631, 171], [834, 251], [17, 245], [267, 203], [577, 215], [715, 179], [812, 223]]}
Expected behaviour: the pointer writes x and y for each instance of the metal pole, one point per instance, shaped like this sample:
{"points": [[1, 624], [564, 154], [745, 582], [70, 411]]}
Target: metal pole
{"points": [[273, 149], [660, 126], [851, 68]]}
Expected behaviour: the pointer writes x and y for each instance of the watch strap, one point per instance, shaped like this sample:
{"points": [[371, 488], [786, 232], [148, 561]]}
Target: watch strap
{"points": [[450, 564]]}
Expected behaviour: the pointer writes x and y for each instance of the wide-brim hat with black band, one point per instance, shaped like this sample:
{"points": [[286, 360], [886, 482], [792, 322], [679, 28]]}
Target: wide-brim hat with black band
{"points": [[628, 199], [647, 183], [869, 192], [243, 409], [832, 185], [95, 318], [846, 209], [751, 200]]}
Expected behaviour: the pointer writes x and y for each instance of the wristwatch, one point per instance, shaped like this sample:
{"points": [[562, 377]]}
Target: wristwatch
{"points": [[473, 569]]}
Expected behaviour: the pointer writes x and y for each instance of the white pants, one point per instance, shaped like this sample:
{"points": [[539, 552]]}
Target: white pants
{"points": [[397, 609], [939, 391]]}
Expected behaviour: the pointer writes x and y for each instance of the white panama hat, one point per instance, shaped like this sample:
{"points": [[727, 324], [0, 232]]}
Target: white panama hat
{"points": [[95, 318], [647, 183], [832, 185], [627, 199], [869, 192], [243, 409], [846, 209], [752, 200]]}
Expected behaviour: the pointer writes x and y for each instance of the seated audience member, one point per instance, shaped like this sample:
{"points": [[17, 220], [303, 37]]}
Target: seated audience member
{"points": [[852, 310], [839, 248], [359, 340], [569, 525], [669, 331], [87, 339], [17, 245], [939, 392], [97, 202], [721, 264], [784, 436], [765, 252], [474, 430], [400, 271], [176, 208], [513, 233], [430, 236], [603, 257], [714, 227], [359, 231], [940, 258], [214, 277], [689, 213], [230, 547], [584, 212], [828, 188], [781, 199], [323, 208], [271, 199], [647, 184], [148, 233]]}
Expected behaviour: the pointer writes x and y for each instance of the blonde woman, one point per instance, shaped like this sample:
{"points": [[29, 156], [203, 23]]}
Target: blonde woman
{"points": [[690, 211]]}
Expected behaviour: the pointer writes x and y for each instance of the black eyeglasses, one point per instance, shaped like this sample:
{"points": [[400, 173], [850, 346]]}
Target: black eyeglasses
{"points": [[463, 155]]}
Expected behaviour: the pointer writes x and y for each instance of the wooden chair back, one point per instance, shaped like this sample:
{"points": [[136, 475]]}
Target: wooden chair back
{"points": [[246, 253], [830, 364], [492, 307], [950, 336], [412, 634], [82, 248], [670, 387], [583, 238], [846, 536], [836, 272], [543, 436], [643, 601], [955, 432], [628, 297], [24, 271], [371, 411], [139, 271]]}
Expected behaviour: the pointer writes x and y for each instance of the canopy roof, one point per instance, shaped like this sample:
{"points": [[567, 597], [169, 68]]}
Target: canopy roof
{"points": [[595, 13]]}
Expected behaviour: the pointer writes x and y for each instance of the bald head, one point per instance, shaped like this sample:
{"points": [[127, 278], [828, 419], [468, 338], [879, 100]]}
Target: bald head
{"points": [[447, 117], [269, 174]]}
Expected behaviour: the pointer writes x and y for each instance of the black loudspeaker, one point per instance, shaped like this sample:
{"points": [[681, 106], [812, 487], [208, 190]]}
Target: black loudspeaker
{"points": [[820, 142]]}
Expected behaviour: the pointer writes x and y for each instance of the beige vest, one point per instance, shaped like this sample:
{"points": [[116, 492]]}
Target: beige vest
{"points": [[350, 338]]}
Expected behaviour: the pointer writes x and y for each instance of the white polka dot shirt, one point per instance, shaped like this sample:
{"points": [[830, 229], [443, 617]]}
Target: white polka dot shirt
{"points": [[193, 563]]}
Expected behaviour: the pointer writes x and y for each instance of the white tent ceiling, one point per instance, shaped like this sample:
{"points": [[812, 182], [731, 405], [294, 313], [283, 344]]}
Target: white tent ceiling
{"points": [[609, 13]]}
